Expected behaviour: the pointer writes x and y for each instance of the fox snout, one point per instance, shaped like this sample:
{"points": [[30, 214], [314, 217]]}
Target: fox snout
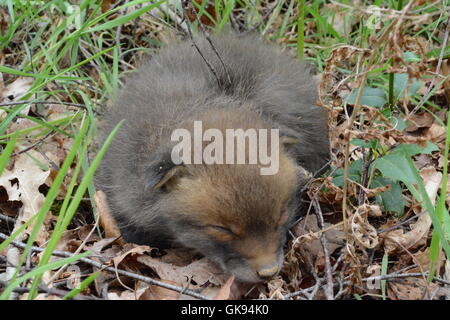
{"points": [[258, 265], [268, 271]]}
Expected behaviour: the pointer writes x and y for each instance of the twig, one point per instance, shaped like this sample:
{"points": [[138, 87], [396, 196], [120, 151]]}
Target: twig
{"points": [[77, 251], [179, 22], [367, 160], [315, 175], [437, 72], [305, 291], [119, 31], [392, 276], [34, 145], [99, 265], [13, 103], [211, 68], [53, 291], [347, 133], [323, 240], [263, 18], [191, 7], [398, 225]]}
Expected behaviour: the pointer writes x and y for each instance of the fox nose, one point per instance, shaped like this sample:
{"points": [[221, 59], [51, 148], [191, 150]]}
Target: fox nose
{"points": [[268, 271]]}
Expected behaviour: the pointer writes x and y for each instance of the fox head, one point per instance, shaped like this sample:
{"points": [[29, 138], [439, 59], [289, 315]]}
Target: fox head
{"points": [[232, 213]]}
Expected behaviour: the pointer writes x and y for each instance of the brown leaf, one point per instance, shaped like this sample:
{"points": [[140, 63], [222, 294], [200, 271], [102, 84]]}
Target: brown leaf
{"points": [[411, 289], [106, 5], [420, 120], [196, 274], [436, 133], [153, 292], [124, 295], [107, 221], [362, 230], [308, 241], [224, 292], [131, 250], [204, 19], [397, 239]]}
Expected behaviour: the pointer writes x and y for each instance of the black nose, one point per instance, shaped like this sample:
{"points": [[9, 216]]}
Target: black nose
{"points": [[268, 271]]}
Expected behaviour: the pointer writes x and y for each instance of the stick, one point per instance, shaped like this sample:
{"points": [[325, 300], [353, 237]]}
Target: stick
{"points": [[211, 68], [191, 7], [113, 270], [323, 240], [437, 72]]}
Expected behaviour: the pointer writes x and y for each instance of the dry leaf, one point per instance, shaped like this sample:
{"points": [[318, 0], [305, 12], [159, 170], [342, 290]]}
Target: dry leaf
{"points": [[362, 230], [196, 274], [411, 289], [15, 90], [420, 120], [124, 295], [107, 221], [224, 292], [397, 239], [22, 184], [153, 292], [308, 240], [436, 133], [131, 250]]}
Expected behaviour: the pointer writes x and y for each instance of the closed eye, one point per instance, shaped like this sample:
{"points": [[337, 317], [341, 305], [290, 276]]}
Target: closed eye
{"points": [[222, 229]]}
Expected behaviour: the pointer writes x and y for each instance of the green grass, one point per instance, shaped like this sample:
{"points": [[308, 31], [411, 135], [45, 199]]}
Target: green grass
{"points": [[71, 53]]}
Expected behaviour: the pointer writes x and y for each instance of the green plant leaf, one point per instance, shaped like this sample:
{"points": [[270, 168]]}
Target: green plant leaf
{"points": [[398, 123], [436, 52], [354, 173], [411, 57], [371, 97], [392, 199], [414, 149], [401, 82], [372, 144], [6, 153], [395, 166]]}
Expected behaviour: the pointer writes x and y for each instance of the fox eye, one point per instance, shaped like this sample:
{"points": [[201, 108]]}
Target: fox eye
{"points": [[220, 233], [222, 229]]}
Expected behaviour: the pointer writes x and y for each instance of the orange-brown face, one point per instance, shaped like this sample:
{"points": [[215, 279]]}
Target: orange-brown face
{"points": [[235, 216]]}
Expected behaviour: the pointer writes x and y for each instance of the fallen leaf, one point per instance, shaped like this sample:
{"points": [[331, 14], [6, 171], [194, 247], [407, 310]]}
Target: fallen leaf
{"points": [[224, 292], [153, 292], [22, 184], [15, 90], [411, 289], [362, 230], [397, 239], [420, 120], [196, 274], [436, 133], [131, 250], [106, 220], [124, 295]]}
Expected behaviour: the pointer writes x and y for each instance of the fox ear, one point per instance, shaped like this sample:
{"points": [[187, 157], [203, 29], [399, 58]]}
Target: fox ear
{"points": [[170, 178], [163, 173], [287, 141]]}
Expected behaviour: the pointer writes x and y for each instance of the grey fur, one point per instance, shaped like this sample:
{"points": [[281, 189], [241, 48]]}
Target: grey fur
{"points": [[176, 85]]}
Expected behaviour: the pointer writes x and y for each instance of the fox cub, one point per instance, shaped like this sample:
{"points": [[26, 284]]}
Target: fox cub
{"points": [[229, 212]]}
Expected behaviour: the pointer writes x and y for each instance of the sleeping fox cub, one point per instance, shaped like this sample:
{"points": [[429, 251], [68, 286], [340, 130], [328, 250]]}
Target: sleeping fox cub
{"points": [[175, 175]]}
